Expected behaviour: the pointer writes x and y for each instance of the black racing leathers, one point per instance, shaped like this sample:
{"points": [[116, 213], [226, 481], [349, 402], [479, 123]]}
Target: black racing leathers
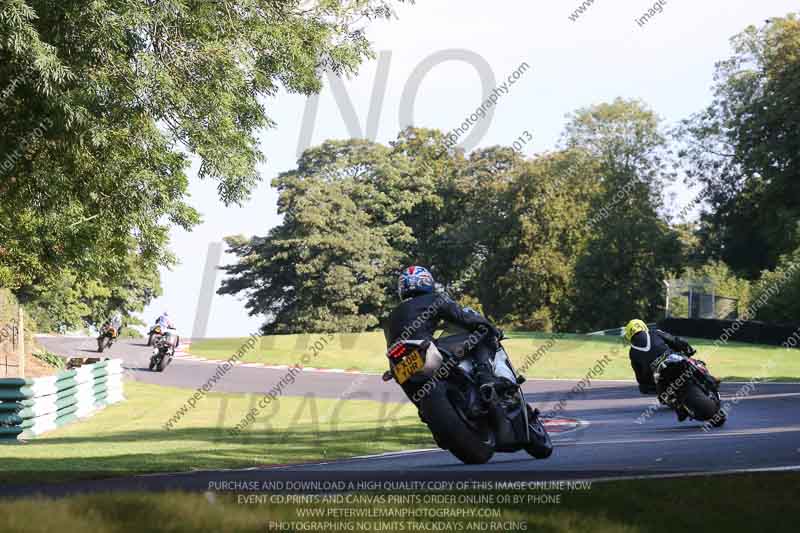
{"points": [[419, 317], [646, 347]]}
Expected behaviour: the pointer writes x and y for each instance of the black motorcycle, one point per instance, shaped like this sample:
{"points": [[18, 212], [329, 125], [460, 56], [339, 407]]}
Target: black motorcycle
{"points": [[163, 351], [108, 334], [685, 382], [471, 422]]}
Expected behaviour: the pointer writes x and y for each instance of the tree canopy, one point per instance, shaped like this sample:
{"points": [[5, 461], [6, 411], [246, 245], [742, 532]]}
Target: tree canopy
{"points": [[105, 103], [744, 149], [518, 237]]}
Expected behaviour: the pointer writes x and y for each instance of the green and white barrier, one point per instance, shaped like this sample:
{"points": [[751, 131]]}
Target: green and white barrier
{"points": [[30, 407]]}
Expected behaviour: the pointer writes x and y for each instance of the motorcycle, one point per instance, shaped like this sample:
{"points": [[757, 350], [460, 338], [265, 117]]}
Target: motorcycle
{"points": [[163, 351], [471, 422], [108, 334], [685, 382]]}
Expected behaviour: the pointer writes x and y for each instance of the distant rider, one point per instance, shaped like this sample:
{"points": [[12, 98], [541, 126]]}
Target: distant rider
{"points": [[116, 323], [165, 322], [421, 311], [648, 345]]}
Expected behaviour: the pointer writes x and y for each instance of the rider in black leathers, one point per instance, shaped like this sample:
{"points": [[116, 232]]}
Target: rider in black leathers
{"points": [[422, 311], [646, 347]]}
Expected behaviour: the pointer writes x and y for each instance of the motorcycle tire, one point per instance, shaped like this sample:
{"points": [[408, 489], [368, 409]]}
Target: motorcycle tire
{"points": [[450, 427], [698, 404], [152, 365], [163, 363], [542, 445], [719, 419], [101, 344]]}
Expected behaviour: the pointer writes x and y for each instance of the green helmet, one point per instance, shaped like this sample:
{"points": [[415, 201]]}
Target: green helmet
{"points": [[634, 327]]}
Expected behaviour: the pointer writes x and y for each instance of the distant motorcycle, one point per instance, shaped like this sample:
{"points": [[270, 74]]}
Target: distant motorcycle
{"points": [[108, 334], [164, 351], [460, 416], [682, 381], [154, 333]]}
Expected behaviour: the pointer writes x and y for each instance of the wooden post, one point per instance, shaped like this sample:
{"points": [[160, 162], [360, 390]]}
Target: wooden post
{"points": [[21, 345]]}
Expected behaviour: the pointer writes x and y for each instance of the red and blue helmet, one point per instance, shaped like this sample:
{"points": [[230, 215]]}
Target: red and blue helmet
{"points": [[413, 281]]}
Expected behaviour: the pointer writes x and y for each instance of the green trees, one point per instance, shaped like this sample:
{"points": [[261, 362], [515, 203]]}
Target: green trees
{"points": [[630, 248], [575, 239], [325, 268], [104, 104], [528, 280], [74, 300], [779, 290], [518, 237], [744, 149]]}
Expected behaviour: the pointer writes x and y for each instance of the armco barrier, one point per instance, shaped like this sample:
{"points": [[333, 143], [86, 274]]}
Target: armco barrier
{"points": [[30, 407]]}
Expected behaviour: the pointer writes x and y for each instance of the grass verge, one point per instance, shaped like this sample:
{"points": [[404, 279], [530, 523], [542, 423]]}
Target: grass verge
{"points": [[571, 356], [760, 502], [129, 438]]}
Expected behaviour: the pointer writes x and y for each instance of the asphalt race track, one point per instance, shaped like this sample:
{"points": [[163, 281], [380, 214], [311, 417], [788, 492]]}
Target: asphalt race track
{"points": [[610, 440]]}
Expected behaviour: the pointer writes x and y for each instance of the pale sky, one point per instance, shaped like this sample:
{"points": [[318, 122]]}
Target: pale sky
{"points": [[668, 63]]}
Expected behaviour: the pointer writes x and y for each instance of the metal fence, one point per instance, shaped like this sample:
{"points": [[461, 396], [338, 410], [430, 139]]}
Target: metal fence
{"points": [[698, 299]]}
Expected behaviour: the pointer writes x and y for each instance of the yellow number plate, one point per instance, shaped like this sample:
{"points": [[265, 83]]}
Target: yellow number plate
{"points": [[410, 365]]}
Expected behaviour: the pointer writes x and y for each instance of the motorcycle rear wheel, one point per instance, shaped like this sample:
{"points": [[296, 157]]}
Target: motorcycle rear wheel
{"points": [[718, 419], [449, 426], [699, 405]]}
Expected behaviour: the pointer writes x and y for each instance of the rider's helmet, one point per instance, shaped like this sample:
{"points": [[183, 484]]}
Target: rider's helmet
{"points": [[633, 327], [413, 281]]}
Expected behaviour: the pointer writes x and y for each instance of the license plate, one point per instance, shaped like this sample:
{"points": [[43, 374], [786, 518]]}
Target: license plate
{"points": [[410, 365]]}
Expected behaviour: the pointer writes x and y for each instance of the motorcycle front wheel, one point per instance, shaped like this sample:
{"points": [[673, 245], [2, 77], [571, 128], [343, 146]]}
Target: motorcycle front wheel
{"points": [[450, 426], [101, 344], [541, 446]]}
